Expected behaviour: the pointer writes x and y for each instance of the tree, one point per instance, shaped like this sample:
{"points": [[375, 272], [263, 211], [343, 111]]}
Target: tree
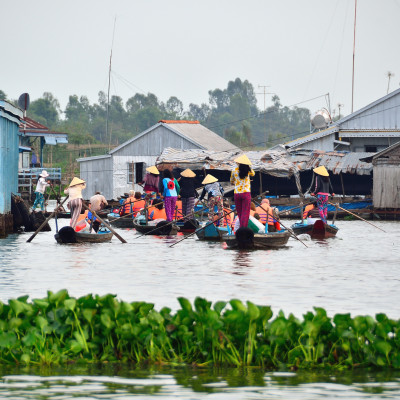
{"points": [[45, 110], [174, 107], [3, 95]]}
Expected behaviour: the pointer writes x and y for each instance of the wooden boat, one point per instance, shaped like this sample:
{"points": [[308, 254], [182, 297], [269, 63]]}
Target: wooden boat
{"points": [[68, 235], [246, 239], [162, 228], [121, 222], [211, 232], [318, 230], [187, 226]]}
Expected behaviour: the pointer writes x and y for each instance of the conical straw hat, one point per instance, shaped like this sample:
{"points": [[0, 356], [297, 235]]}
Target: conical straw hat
{"points": [[153, 170], [243, 159], [188, 173], [321, 171], [209, 179], [76, 181]]}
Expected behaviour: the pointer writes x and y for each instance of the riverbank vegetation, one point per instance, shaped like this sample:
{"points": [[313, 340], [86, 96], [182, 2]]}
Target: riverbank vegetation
{"points": [[61, 329], [231, 112]]}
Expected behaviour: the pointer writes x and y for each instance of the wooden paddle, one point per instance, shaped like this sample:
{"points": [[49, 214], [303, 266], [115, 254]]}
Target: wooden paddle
{"points": [[104, 223], [203, 227], [169, 223], [362, 219], [289, 230], [47, 219]]}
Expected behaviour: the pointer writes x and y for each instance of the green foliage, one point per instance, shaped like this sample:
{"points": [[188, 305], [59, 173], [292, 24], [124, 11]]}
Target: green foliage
{"points": [[62, 329]]}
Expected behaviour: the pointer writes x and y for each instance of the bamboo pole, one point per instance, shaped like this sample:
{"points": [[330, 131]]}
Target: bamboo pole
{"points": [[289, 230], [47, 220], [362, 219], [105, 223]]}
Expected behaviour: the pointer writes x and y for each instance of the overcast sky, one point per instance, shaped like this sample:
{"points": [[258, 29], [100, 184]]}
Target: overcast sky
{"points": [[300, 49]]}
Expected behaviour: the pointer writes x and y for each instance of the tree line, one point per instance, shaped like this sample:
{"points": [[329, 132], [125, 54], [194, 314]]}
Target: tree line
{"points": [[232, 113]]}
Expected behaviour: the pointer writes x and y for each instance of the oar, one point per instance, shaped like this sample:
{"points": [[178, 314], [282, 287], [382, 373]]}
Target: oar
{"points": [[169, 223], [105, 224], [290, 209], [203, 227], [289, 230], [362, 219], [47, 219]]}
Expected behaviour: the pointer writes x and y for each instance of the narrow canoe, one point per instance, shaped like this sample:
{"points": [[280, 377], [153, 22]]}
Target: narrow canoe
{"points": [[68, 235], [318, 230], [121, 222], [211, 232], [160, 229], [260, 241]]}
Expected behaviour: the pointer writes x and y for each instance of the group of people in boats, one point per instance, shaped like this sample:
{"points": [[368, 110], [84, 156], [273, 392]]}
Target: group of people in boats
{"points": [[168, 198]]}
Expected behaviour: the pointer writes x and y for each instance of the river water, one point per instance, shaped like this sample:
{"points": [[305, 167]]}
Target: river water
{"points": [[355, 272]]}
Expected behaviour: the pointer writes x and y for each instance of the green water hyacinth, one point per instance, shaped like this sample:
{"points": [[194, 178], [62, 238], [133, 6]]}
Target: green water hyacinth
{"points": [[61, 329]]}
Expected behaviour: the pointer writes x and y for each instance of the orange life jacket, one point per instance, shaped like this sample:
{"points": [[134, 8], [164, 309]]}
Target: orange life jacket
{"points": [[83, 216], [307, 210], [127, 207], [137, 206], [155, 213], [228, 219], [266, 215]]}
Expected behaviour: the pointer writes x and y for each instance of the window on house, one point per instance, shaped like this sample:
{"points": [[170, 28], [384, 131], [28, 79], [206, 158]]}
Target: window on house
{"points": [[135, 172], [371, 149]]}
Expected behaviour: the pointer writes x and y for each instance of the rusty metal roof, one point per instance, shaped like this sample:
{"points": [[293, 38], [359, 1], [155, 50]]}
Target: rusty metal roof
{"points": [[273, 162]]}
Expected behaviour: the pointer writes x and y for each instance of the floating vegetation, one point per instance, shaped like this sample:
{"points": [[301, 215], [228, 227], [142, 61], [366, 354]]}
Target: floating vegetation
{"points": [[60, 329]]}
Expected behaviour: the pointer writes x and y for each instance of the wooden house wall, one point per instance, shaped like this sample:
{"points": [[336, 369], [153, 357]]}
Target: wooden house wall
{"points": [[120, 168], [154, 142], [98, 175], [9, 156], [386, 187]]}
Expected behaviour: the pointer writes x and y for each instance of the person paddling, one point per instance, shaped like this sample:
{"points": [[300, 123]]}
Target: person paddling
{"points": [[215, 193], [240, 178], [40, 189], [188, 192], [74, 191], [322, 189]]}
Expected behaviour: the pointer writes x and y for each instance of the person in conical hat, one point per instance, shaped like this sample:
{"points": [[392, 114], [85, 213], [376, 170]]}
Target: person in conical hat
{"points": [[171, 189], [322, 189], [215, 194], [40, 191], [240, 178], [151, 182], [74, 190], [188, 193]]}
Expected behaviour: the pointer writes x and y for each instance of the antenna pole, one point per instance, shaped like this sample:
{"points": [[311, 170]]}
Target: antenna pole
{"points": [[354, 51], [265, 114], [108, 92]]}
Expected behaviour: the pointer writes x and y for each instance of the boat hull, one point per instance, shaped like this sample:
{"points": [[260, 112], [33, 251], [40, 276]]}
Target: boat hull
{"points": [[121, 222], [68, 235], [211, 232], [260, 241], [318, 230], [163, 230]]}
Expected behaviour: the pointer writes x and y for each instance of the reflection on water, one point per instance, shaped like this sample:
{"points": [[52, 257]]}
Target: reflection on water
{"points": [[356, 272], [116, 382]]}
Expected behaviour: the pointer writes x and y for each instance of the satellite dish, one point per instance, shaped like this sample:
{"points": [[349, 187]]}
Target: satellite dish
{"points": [[321, 119], [23, 101]]}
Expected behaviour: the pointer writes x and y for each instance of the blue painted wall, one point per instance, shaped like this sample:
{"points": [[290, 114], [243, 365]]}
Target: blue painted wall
{"points": [[9, 148]]}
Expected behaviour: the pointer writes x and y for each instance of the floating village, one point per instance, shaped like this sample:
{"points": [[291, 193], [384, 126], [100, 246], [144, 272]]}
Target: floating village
{"points": [[360, 153]]}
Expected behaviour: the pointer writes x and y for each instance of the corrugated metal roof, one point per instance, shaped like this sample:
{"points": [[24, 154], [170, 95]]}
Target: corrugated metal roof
{"points": [[203, 136], [274, 162]]}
